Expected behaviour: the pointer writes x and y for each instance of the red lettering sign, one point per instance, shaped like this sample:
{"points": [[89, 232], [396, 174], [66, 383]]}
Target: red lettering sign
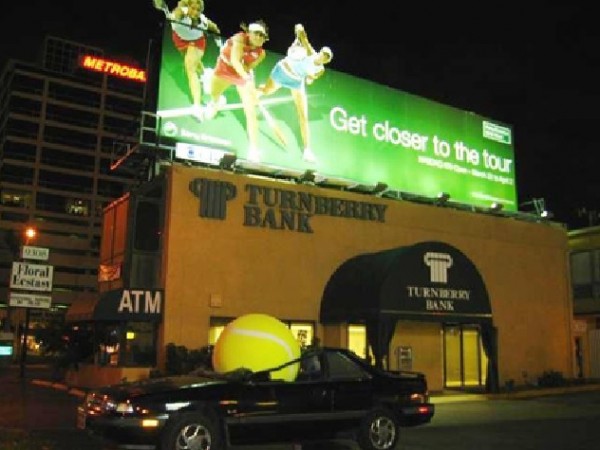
{"points": [[99, 64]]}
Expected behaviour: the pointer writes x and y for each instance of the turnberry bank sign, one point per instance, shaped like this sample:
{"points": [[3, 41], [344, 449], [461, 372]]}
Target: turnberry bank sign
{"points": [[277, 208]]}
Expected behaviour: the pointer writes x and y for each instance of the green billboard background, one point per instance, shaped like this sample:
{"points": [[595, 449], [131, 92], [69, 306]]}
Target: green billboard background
{"points": [[360, 131]]}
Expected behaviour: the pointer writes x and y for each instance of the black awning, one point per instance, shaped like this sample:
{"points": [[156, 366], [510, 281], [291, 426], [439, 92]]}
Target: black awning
{"points": [[429, 281]]}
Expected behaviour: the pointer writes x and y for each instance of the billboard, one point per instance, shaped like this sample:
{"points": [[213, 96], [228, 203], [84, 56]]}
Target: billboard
{"points": [[357, 130]]}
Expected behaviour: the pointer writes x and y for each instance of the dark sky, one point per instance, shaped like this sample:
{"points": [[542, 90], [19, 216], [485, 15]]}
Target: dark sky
{"points": [[537, 69]]}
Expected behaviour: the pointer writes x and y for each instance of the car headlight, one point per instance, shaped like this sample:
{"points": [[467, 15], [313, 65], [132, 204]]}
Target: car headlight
{"points": [[97, 403]]}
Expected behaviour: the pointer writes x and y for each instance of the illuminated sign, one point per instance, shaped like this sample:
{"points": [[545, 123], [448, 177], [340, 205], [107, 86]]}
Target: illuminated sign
{"points": [[130, 304], [39, 253], [115, 68], [21, 300], [199, 153], [359, 131], [31, 277]]}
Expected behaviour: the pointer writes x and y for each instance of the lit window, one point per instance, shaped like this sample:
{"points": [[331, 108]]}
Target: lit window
{"points": [[303, 332], [357, 341], [16, 199], [214, 333]]}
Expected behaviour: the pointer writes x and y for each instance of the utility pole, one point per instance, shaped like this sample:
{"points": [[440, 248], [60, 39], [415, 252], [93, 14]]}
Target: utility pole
{"points": [[27, 280]]}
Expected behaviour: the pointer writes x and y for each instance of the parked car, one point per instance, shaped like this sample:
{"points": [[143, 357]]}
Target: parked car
{"points": [[336, 393]]}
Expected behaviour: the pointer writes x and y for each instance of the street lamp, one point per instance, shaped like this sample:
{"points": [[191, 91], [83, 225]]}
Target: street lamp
{"points": [[30, 234]]}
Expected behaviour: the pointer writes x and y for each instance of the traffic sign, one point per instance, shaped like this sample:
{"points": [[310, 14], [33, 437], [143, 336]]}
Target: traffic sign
{"points": [[38, 253], [29, 300]]}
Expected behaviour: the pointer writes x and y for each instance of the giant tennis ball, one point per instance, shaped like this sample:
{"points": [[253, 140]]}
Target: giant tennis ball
{"points": [[257, 342]]}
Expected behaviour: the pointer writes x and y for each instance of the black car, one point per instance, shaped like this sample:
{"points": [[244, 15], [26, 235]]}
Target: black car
{"points": [[336, 394]]}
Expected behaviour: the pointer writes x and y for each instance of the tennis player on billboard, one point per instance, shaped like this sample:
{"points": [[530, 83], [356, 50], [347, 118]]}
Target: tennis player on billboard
{"points": [[189, 27], [302, 66]]}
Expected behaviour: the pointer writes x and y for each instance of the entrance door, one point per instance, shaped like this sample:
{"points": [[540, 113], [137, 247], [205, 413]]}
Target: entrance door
{"points": [[465, 361]]}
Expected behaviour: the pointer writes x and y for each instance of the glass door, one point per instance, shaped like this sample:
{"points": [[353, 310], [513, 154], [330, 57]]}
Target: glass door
{"points": [[465, 361]]}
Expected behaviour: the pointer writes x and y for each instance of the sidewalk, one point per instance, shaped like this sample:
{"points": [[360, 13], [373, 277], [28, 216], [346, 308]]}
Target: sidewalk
{"points": [[458, 396]]}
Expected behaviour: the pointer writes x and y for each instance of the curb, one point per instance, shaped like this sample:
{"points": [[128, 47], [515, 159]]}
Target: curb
{"points": [[541, 392], [61, 387], [531, 393]]}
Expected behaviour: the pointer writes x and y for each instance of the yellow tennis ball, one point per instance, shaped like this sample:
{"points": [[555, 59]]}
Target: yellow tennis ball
{"points": [[257, 342]]}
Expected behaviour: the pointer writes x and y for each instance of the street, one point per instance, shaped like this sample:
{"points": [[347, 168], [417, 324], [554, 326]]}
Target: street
{"points": [[561, 422], [565, 422]]}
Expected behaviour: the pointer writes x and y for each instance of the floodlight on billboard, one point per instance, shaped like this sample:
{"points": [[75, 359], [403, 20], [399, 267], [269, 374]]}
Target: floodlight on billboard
{"points": [[358, 130]]}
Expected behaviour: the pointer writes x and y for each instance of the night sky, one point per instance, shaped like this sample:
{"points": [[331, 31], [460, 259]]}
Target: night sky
{"points": [[537, 69]]}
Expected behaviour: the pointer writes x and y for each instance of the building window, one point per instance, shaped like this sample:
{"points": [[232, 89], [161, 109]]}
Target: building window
{"points": [[72, 116], [66, 159], [65, 182], [581, 267], [596, 265], [15, 198], [147, 230], [22, 105], [21, 151], [27, 83], [16, 174], [303, 332], [585, 274], [126, 344], [140, 345], [74, 95], [22, 128], [78, 207], [357, 340], [109, 344], [215, 331]]}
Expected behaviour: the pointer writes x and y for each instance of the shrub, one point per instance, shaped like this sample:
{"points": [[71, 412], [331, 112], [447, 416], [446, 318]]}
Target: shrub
{"points": [[181, 361], [551, 378]]}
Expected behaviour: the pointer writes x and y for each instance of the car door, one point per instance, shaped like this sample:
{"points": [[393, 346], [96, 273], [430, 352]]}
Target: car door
{"points": [[275, 410], [351, 388], [303, 406]]}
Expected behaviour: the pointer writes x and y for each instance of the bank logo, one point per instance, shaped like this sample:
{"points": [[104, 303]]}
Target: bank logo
{"points": [[438, 264], [213, 195]]}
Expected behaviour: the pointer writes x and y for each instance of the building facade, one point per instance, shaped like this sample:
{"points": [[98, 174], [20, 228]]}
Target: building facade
{"points": [[61, 128], [585, 278], [470, 299]]}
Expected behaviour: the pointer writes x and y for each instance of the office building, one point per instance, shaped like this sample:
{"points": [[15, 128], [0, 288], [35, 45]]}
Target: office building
{"points": [[62, 126]]}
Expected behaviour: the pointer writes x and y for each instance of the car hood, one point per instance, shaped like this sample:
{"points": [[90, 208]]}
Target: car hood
{"points": [[156, 385]]}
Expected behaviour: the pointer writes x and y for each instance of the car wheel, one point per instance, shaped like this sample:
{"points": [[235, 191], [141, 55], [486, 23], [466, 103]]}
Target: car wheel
{"points": [[192, 432], [378, 431]]}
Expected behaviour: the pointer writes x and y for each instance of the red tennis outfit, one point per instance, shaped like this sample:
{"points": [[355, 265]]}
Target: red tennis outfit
{"points": [[182, 44], [250, 54]]}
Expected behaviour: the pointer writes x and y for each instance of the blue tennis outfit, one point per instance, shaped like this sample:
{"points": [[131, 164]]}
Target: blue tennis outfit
{"points": [[291, 72]]}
